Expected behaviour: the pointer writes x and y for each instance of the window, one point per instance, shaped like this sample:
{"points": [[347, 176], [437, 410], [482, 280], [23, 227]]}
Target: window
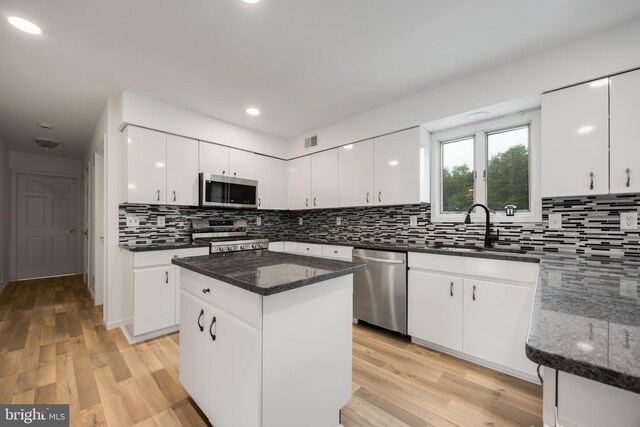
{"points": [[495, 163]]}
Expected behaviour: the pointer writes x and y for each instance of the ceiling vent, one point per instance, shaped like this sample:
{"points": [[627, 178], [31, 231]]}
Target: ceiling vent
{"points": [[312, 141]]}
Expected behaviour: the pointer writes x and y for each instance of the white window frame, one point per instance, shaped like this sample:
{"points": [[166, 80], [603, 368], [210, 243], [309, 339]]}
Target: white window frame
{"points": [[479, 131]]}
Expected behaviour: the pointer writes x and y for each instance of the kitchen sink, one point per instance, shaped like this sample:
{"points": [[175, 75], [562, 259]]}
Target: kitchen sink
{"points": [[478, 249]]}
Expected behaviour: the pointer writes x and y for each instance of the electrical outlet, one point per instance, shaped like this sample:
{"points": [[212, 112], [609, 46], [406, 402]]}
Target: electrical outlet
{"points": [[338, 221], [259, 220], [133, 221], [555, 221], [629, 220], [413, 221], [160, 221], [300, 221], [629, 288]]}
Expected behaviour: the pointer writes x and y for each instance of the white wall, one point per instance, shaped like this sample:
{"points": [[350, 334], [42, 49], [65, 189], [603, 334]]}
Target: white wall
{"points": [[5, 213], [142, 111], [584, 59], [41, 164]]}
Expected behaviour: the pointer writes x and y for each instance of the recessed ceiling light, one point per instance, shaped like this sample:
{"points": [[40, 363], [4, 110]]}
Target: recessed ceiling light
{"points": [[44, 125], [477, 115], [599, 83], [252, 111], [251, 1], [348, 147], [24, 25], [585, 129], [394, 163]]}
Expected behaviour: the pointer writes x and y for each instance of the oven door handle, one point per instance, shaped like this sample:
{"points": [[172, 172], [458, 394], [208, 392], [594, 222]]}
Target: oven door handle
{"points": [[382, 260]]}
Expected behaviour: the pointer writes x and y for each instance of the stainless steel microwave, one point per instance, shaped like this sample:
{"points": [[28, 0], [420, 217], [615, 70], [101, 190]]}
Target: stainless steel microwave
{"points": [[228, 192]]}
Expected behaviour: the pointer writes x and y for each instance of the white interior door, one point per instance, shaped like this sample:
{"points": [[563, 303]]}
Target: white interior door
{"points": [[46, 226], [97, 280]]}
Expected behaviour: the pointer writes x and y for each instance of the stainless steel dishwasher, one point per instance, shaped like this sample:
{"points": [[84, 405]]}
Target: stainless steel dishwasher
{"points": [[380, 291]]}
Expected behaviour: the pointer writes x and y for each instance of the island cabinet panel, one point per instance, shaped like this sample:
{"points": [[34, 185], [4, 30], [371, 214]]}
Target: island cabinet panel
{"points": [[235, 371], [195, 343], [496, 320], [154, 299], [435, 308]]}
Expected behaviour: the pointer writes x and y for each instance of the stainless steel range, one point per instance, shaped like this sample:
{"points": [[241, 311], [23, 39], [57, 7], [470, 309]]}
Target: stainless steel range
{"points": [[225, 236]]}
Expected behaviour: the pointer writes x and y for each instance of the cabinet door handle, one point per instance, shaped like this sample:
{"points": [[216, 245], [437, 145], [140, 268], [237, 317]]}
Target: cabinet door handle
{"points": [[223, 172], [628, 177], [591, 176], [259, 202], [174, 195], [234, 174], [306, 202], [314, 202], [206, 291], [158, 195], [474, 292], [367, 197], [166, 278], [451, 289], [379, 196], [213, 322], [201, 325]]}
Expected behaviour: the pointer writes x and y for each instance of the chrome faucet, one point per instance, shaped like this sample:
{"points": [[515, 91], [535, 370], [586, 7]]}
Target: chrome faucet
{"points": [[488, 238]]}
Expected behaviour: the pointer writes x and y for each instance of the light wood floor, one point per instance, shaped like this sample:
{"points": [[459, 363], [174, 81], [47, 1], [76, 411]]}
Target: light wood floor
{"points": [[54, 349]]}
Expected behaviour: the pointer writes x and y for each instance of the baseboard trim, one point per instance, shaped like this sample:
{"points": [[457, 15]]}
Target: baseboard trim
{"points": [[149, 335], [503, 369]]}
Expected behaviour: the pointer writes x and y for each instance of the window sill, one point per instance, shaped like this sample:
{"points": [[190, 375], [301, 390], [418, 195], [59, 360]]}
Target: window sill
{"points": [[481, 219]]}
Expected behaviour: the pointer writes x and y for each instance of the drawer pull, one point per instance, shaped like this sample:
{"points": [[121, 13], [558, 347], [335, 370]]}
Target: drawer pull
{"points": [[367, 197], [174, 195], [206, 291], [591, 176], [213, 335], [474, 292], [379, 196], [166, 279], [201, 326], [158, 195], [628, 177], [306, 202], [451, 289]]}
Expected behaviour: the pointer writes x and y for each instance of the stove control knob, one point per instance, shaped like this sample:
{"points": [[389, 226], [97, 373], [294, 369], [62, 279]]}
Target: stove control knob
{"points": [[263, 245], [221, 249], [243, 247], [230, 248], [255, 246]]}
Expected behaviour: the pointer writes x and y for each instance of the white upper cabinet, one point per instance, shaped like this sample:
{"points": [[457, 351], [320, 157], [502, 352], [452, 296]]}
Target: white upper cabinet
{"points": [[146, 162], [625, 140], [575, 140], [182, 171], [214, 159], [241, 164], [397, 168], [299, 183], [324, 179], [272, 182], [355, 174]]}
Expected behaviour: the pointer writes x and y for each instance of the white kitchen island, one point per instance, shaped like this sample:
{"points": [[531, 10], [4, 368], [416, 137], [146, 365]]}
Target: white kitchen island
{"points": [[265, 338]]}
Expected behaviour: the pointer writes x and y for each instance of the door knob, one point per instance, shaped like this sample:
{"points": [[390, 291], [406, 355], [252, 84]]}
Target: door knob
{"points": [[72, 231]]}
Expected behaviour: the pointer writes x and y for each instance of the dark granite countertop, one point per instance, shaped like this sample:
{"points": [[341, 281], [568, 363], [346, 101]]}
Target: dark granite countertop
{"points": [[146, 247], [265, 272], [586, 318]]}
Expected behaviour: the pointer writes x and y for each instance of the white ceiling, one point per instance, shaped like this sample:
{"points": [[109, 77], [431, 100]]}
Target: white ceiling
{"points": [[304, 63]]}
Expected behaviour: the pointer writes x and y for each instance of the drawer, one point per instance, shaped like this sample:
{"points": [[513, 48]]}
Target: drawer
{"points": [[276, 246], [309, 249], [290, 247], [338, 252], [151, 258], [244, 305]]}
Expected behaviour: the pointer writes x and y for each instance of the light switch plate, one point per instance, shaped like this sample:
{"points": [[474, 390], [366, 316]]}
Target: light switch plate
{"points": [[555, 221], [629, 220], [160, 221], [259, 220], [338, 221], [133, 221], [413, 221], [300, 221]]}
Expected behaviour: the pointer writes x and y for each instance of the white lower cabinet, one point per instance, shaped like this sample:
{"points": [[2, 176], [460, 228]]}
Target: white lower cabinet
{"points": [[154, 299], [496, 321], [434, 308], [249, 360], [485, 320]]}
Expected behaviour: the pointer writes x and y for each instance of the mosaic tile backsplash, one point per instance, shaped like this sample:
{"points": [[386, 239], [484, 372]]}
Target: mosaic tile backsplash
{"points": [[590, 225]]}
